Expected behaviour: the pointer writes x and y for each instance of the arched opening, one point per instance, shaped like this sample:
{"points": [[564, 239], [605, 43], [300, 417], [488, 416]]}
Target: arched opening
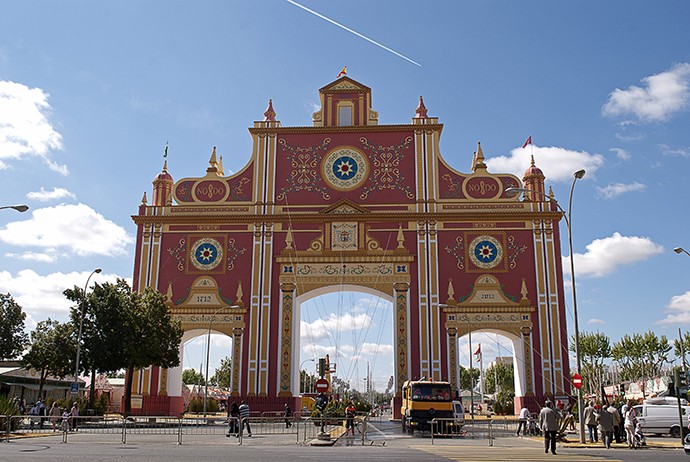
{"points": [[493, 356], [204, 351], [353, 325]]}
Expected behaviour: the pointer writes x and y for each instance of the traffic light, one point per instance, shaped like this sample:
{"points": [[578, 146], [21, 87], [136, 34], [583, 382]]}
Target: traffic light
{"points": [[680, 382], [322, 367]]}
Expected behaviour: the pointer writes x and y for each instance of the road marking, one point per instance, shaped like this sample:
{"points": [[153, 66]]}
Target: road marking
{"points": [[501, 454]]}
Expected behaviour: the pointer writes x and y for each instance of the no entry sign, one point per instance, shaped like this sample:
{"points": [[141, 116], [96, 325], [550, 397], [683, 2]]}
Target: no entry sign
{"points": [[577, 381], [321, 385]]}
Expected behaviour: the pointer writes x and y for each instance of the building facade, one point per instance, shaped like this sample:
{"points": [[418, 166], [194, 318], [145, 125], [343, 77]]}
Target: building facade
{"points": [[348, 204]]}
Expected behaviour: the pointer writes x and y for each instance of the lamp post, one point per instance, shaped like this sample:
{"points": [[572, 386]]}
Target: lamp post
{"points": [[18, 208], [208, 350], [75, 386], [305, 375], [567, 216], [680, 250]]}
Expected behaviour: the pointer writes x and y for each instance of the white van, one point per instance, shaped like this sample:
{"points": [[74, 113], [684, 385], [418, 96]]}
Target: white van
{"points": [[661, 418], [458, 414]]}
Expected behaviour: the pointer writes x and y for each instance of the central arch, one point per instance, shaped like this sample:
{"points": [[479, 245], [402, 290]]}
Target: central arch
{"points": [[303, 298]]}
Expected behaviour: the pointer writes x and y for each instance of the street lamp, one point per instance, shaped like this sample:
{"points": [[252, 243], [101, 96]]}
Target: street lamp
{"points": [[681, 250], [208, 349], [81, 323], [305, 375], [18, 208], [567, 217]]}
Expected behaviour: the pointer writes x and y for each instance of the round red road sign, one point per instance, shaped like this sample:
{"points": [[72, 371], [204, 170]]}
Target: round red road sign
{"points": [[321, 385], [577, 380]]}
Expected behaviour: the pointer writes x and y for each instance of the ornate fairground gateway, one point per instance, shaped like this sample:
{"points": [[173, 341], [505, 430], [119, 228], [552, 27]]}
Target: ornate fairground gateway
{"points": [[348, 204]]}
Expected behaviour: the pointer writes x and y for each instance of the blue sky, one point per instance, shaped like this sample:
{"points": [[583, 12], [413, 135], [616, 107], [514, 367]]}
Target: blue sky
{"points": [[90, 93]]}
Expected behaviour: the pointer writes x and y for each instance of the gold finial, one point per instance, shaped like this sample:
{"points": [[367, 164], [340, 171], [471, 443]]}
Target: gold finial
{"points": [[239, 294], [288, 239], [143, 199], [478, 159], [221, 170], [401, 238]]}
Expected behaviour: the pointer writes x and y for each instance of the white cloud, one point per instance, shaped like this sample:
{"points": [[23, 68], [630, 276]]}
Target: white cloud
{"points": [[669, 151], [68, 229], [605, 256], [24, 126], [41, 296], [324, 328], [45, 196], [679, 306], [595, 321], [622, 154], [558, 164], [661, 96], [616, 189]]}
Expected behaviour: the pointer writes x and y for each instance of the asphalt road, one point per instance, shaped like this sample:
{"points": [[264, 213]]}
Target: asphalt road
{"points": [[386, 444]]}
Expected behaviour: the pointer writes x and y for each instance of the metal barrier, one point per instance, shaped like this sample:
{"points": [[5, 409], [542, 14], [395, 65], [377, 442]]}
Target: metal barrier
{"points": [[449, 428]]}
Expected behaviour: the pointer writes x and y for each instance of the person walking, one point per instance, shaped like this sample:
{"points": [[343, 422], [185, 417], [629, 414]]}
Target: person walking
{"points": [[74, 413], [288, 414], [350, 412], [605, 420], [548, 420], [590, 418], [244, 415], [54, 415], [630, 421], [233, 419], [522, 420], [616, 422]]}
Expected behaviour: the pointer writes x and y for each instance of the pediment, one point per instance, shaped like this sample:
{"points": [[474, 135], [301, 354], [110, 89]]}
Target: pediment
{"points": [[344, 84], [344, 207]]}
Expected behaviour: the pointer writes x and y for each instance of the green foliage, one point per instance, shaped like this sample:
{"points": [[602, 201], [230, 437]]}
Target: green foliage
{"points": [[465, 377], [595, 348], [13, 339], [221, 378], [192, 377], [51, 351], [196, 405], [126, 330], [8, 407], [641, 356], [501, 374], [504, 404]]}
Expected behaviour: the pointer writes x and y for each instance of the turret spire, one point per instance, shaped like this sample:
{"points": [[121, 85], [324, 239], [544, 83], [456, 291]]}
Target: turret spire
{"points": [[270, 114], [421, 109]]}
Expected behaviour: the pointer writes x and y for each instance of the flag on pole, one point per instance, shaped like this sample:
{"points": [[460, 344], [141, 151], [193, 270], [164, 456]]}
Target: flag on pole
{"points": [[165, 154], [529, 141], [479, 350], [342, 73]]}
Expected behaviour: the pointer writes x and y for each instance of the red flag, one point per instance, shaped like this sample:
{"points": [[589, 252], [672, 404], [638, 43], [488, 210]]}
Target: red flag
{"points": [[343, 72], [479, 350], [529, 141]]}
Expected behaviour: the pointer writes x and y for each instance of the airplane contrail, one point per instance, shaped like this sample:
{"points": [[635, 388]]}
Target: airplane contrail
{"points": [[353, 32]]}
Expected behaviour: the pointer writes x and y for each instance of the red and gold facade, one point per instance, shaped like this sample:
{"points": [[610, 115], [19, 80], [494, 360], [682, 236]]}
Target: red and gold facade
{"points": [[349, 202]]}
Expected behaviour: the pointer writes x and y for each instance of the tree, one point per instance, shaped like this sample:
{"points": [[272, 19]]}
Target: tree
{"points": [[221, 378], [13, 339], [501, 374], [465, 377], [595, 348], [127, 330], [51, 351], [681, 350], [151, 337], [192, 377], [641, 356]]}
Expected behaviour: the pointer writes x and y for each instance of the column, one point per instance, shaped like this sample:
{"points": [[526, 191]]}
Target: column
{"points": [[402, 342], [286, 343], [236, 360]]}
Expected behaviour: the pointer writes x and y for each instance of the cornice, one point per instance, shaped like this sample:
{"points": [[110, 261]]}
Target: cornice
{"points": [[372, 217], [349, 129]]}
